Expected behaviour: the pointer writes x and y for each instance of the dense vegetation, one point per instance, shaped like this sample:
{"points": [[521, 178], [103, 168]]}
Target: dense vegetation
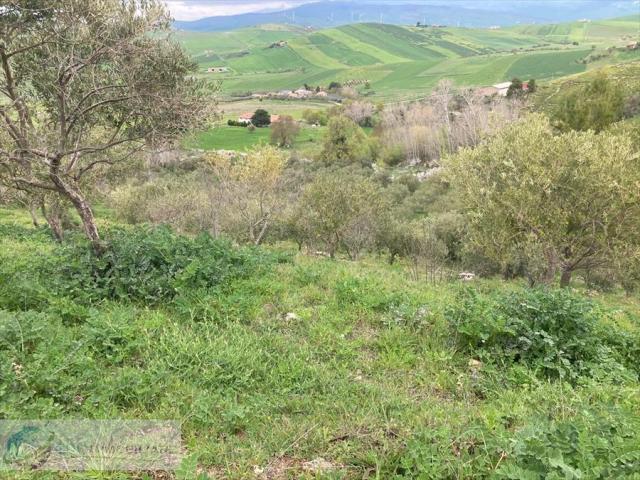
{"points": [[270, 363]]}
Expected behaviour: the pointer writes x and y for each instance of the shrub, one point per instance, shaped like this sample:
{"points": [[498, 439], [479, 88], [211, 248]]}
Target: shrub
{"points": [[556, 333], [142, 264], [393, 155], [593, 444], [151, 265], [315, 117]]}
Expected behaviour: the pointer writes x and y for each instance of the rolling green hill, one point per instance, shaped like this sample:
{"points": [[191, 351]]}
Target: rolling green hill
{"points": [[405, 62]]}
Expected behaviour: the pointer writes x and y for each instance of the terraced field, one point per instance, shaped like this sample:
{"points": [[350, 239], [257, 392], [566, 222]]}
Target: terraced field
{"points": [[405, 62]]}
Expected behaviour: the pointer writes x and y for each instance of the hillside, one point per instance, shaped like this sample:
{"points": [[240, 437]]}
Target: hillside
{"points": [[625, 75], [467, 13], [401, 62], [308, 368]]}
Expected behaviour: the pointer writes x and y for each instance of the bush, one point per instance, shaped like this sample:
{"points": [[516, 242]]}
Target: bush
{"points": [[315, 117], [142, 264], [554, 332], [152, 265], [393, 155], [593, 444]]}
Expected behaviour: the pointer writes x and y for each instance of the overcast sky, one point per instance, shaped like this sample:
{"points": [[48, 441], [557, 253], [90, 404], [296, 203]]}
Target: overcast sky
{"points": [[194, 9]]}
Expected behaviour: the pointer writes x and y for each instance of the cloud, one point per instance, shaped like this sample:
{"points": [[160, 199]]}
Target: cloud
{"points": [[195, 9]]}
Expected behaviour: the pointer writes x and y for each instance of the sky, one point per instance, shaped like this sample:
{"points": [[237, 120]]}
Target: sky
{"points": [[194, 9]]}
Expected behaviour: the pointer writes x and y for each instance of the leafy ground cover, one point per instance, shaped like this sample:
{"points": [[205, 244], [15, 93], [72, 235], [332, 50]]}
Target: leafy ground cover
{"points": [[280, 365]]}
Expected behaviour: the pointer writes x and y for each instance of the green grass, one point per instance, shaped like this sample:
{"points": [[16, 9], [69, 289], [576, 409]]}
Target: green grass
{"points": [[404, 62], [351, 362], [230, 138], [341, 52], [241, 139], [548, 65], [614, 32]]}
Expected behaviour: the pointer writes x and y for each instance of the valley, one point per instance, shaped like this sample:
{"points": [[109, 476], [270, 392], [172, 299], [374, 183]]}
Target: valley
{"points": [[401, 63]]}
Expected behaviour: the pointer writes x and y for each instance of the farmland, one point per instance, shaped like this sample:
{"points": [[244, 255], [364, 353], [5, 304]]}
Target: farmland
{"points": [[405, 62], [241, 139]]}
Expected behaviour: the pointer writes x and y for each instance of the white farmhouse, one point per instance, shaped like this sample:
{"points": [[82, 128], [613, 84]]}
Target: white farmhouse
{"points": [[502, 88]]}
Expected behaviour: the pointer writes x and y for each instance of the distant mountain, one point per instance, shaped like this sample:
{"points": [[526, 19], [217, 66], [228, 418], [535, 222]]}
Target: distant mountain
{"points": [[466, 13]]}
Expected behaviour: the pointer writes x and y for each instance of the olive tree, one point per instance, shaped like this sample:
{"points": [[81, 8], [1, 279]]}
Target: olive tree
{"points": [[285, 131], [84, 85], [561, 202], [340, 211], [250, 191], [593, 106], [344, 143]]}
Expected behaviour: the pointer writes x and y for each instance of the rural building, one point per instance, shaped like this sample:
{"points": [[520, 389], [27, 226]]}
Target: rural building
{"points": [[322, 94], [502, 88], [633, 46], [217, 70], [303, 93], [245, 117], [279, 44]]}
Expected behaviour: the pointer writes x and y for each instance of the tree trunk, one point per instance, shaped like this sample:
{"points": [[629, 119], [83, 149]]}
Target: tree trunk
{"points": [[565, 278], [34, 216], [53, 217], [77, 199], [258, 238]]}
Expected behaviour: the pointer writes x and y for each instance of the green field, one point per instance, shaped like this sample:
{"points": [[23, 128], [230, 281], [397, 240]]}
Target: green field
{"points": [[404, 62], [242, 139]]}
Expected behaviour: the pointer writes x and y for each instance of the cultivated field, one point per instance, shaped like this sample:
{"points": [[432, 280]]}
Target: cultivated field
{"points": [[405, 62]]}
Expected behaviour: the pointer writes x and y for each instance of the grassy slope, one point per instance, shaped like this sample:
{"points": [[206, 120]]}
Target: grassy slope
{"points": [[616, 32], [627, 75], [399, 61], [350, 377]]}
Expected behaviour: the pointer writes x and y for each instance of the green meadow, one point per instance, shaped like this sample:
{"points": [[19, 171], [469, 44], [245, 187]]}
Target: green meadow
{"points": [[241, 139], [404, 62]]}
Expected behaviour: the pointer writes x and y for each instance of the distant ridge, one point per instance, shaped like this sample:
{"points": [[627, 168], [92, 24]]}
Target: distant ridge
{"points": [[465, 13]]}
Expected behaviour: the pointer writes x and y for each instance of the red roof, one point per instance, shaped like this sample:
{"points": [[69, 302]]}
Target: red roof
{"points": [[246, 116]]}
